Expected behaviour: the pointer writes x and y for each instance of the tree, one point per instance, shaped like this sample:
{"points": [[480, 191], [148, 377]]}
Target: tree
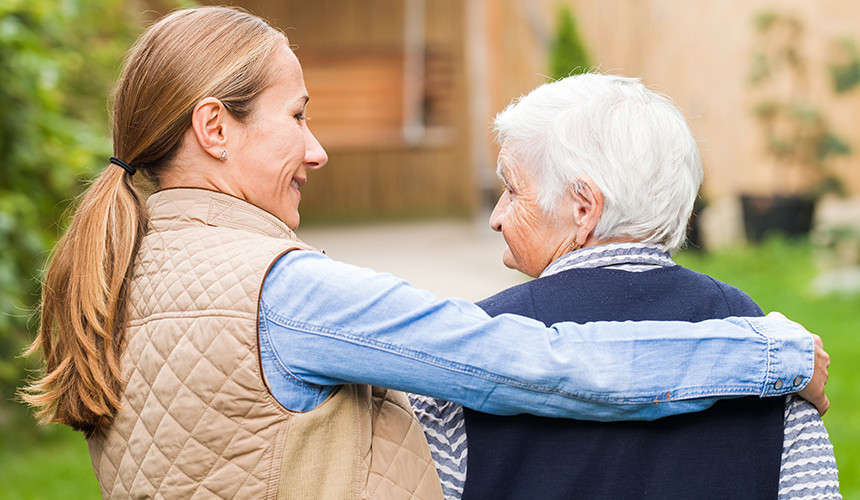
{"points": [[568, 55], [58, 61]]}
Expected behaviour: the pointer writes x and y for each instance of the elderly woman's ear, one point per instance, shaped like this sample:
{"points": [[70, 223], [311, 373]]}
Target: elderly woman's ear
{"points": [[587, 209]]}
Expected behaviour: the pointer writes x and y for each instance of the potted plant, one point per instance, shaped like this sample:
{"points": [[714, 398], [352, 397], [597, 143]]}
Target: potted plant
{"points": [[798, 138]]}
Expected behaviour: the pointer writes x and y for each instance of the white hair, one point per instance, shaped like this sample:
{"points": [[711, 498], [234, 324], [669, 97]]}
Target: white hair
{"points": [[632, 142]]}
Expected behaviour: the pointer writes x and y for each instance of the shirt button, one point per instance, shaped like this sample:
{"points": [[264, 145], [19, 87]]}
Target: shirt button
{"points": [[798, 380], [777, 385]]}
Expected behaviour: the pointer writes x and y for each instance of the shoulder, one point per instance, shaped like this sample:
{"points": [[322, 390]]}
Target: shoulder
{"points": [[301, 261], [517, 300], [314, 269], [311, 285], [738, 301]]}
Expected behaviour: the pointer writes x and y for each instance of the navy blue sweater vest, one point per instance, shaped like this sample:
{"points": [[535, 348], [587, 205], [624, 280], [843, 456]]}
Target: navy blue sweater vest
{"points": [[731, 450]]}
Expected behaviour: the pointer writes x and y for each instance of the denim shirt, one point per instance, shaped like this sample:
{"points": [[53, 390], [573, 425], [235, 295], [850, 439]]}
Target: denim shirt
{"points": [[325, 323]]}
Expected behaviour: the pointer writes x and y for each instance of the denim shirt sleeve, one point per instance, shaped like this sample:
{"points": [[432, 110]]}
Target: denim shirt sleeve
{"points": [[324, 323]]}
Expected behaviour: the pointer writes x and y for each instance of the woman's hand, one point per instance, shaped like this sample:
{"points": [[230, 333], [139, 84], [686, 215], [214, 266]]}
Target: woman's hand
{"points": [[814, 390]]}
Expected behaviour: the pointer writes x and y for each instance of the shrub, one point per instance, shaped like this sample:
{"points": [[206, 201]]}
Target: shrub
{"points": [[568, 55], [58, 61]]}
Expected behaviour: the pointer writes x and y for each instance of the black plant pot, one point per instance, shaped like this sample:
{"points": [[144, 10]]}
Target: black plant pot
{"points": [[788, 215]]}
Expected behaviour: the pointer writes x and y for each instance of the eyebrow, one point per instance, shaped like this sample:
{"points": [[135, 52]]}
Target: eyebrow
{"points": [[502, 170]]}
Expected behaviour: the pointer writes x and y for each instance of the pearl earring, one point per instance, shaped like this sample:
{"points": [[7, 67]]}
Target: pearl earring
{"points": [[223, 155]]}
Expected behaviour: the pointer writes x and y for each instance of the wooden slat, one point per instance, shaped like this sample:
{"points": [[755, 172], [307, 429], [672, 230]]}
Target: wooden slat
{"points": [[356, 96]]}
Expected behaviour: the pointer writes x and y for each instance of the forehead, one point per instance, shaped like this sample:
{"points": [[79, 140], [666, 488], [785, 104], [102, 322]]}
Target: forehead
{"points": [[507, 165], [288, 72]]}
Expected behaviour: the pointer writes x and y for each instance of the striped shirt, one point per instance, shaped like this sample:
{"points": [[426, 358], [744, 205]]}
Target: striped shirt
{"points": [[808, 467]]}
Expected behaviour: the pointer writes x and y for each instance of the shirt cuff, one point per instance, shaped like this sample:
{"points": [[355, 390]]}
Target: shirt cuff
{"points": [[790, 355]]}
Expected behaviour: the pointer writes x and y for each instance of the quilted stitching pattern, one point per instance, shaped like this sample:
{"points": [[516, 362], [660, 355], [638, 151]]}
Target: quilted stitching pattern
{"points": [[197, 420], [400, 465]]}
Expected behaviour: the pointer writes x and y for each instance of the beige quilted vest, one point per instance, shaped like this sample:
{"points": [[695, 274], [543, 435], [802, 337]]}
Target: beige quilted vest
{"points": [[197, 419]]}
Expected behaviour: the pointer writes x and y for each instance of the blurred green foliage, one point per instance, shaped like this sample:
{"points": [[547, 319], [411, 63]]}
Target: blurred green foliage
{"points": [[58, 59], [796, 131], [568, 55], [845, 72]]}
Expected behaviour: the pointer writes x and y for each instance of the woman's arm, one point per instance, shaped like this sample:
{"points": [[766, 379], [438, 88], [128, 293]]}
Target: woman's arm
{"points": [[325, 323]]}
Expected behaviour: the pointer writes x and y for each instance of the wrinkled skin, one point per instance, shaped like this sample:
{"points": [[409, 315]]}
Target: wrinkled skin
{"points": [[534, 238]]}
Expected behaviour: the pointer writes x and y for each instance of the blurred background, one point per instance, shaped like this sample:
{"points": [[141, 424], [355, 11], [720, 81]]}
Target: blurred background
{"points": [[402, 96]]}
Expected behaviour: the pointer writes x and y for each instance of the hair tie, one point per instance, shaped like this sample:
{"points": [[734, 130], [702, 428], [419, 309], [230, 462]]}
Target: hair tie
{"points": [[125, 166]]}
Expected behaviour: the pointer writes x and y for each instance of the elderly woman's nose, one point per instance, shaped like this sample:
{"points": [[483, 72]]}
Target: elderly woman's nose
{"points": [[315, 155], [498, 214]]}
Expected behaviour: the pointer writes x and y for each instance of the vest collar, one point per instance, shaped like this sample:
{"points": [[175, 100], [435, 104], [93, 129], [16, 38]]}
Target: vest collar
{"points": [[186, 207]]}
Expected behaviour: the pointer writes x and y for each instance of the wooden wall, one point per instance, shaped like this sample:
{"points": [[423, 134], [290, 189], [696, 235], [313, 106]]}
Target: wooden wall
{"points": [[352, 48], [699, 52]]}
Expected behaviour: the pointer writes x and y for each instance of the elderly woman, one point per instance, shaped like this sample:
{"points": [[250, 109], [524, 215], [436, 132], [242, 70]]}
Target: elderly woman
{"points": [[205, 351], [600, 176]]}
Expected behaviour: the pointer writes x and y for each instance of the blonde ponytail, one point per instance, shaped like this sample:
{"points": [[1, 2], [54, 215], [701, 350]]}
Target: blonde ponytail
{"points": [[84, 300]]}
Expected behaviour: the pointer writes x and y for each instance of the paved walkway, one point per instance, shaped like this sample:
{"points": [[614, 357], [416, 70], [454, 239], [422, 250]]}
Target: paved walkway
{"points": [[449, 258]]}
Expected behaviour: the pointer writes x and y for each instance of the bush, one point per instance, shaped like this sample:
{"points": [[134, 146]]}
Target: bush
{"points": [[58, 61], [568, 56]]}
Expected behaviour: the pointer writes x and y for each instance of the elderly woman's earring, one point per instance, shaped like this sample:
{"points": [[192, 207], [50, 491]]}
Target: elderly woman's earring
{"points": [[575, 245], [223, 155]]}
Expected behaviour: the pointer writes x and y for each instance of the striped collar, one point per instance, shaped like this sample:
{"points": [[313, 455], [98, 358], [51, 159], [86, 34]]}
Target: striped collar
{"points": [[633, 257]]}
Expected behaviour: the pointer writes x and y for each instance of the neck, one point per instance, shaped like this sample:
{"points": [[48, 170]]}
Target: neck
{"points": [[593, 242], [196, 169]]}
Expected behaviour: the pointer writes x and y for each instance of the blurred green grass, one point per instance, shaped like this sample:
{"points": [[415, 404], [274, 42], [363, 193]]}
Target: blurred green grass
{"points": [[777, 275], [55, 466]]}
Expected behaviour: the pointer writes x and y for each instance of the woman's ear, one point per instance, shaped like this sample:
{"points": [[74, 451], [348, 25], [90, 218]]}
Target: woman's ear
{"points": [[210, 126], [587, 208]]}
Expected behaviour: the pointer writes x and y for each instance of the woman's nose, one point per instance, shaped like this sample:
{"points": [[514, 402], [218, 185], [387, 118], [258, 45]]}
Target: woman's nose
{"points": [[315, 155]]}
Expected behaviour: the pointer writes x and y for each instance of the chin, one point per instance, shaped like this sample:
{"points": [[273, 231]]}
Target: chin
{"points": [[509, 261], [291, 220]]}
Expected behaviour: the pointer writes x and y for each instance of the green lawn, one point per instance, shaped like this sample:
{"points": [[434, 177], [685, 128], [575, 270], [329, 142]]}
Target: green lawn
{"points": [[776, 275], [57, 467]]}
